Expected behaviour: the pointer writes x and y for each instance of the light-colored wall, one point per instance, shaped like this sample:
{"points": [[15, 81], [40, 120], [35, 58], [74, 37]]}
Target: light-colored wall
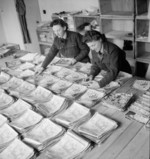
{"points": [[10, 23], [2, 35], [55, 6]]}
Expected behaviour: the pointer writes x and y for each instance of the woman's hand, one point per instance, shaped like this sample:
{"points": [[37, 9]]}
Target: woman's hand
{"points": [[73, 61], [39, 70]]}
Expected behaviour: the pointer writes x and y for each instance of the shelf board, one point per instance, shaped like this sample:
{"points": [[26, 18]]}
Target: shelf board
{"points": [[123, 35], [87, 16], [143, 39], [144, 58], [118, 15], [45, 43], [143, 16]]}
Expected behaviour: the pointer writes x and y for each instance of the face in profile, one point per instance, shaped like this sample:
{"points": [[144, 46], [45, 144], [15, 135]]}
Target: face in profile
{"points": [[95, 45], [59, 30]]}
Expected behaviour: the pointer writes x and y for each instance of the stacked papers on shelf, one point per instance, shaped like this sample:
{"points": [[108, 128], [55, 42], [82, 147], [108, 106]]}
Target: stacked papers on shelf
{"points": [[26, 65], [28, 57], [141, 85], [53, 107], [97, 128], [25, 88], [91, 97], [73, 116], [52, 69], [7, 135], [16, 109], [64, 62], [13, 83], [43, 134], [60, 86], [69, 147], [39, 95], [5, 100], [76, 77], [63, 72], [123, 77], [118, 101], [17, 150], [26, 121], [48, 81], [4, 77], [74, 91], [3, 120]]}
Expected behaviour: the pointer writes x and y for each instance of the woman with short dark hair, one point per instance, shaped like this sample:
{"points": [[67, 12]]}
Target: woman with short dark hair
{"points": [[105, 56], [67, 44]]}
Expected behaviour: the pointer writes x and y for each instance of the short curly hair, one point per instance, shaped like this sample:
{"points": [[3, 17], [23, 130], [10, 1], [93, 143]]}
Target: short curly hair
{"points": [[59, 22]]}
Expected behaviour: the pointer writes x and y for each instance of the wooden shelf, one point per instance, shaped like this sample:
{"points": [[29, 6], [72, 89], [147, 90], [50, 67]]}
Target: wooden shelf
{"points": [[145, 58], [123, 35], [45, 43]]}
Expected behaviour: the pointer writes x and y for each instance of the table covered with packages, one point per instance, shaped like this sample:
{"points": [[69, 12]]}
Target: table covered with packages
{"points": [[58, 115]]}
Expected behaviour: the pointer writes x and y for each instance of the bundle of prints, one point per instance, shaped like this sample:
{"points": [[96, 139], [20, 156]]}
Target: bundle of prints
{"points": [[24, 89], [3, 120], [63, 62], [17, 149], [29, 57], [70, 146], [4, 77], [7, 135], [16, 109], [82, 67], [98, 128], [60, 86], [140, 109], [143, 85], [47, 81], [73, 116], [76, 77], [39, 95], [74, 91], [119, 101], [53, 107], [26, 121], [5, 101], [43, 134], [13, 64], [52, 69], [90, 98], [63, 73], [12, 84]]}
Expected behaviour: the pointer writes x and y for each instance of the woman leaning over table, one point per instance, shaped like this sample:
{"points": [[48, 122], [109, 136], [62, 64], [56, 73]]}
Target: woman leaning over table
{"points": [[105, 56], [67, 44]]}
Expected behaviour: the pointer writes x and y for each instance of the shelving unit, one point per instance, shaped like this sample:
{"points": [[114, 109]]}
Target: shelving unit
{"points": [[45, 37], [142, 38]]}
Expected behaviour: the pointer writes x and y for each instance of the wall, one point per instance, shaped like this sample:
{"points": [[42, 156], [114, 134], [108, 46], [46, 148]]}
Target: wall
{"points": [[10, 22], [54, 6], [2, 35]]}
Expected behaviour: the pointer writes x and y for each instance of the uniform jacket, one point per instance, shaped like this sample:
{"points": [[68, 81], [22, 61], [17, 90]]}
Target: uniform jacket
{"points": [[71, 47], [113, 61]]}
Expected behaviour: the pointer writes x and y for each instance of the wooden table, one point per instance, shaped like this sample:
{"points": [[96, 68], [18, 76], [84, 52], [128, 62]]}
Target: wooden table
{"points": [[130, 141]]}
